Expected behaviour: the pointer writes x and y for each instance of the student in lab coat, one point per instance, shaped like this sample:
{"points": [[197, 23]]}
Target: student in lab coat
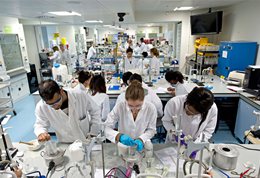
{"points": [[84, 78], [150, 95], [55, 58], [143, 46], [155, 62], [199, 114], [129, 62], [176, 79], [144, 63], [136, 119], [91, 52], [67, 112], [98, 94], [65, 56], [125, 78]]}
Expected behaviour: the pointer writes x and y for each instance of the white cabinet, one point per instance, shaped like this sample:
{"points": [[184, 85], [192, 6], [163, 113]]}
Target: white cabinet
{"points": [[245, 118], [19, 87]]}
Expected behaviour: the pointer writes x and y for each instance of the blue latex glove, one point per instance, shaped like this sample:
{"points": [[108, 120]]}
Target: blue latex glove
{"points": [[193, 155], [140, 145], [182, 140], [126, 140]]}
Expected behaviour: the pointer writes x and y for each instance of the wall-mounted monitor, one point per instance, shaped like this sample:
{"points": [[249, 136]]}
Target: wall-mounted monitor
{"points": [[209, 23]]}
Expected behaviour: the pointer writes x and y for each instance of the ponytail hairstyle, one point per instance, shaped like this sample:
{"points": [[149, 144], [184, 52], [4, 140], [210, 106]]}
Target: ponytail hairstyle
{"points": [[97, 85], [201, 99], [84, 76], [135, 91]]}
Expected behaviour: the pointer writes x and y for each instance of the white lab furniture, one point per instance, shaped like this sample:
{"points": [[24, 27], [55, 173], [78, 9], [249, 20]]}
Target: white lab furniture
{"points": [[6, 100], [34, 160]]}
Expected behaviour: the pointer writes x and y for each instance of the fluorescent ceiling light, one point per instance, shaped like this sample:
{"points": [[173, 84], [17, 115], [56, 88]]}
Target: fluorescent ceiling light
{"points": [[94, 21], [183, 8], [65, 13]]}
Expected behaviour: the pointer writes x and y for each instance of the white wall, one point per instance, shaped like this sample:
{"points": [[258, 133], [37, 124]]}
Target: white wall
{"points": [[31, 43], [241, 22], [69, 33], [184, 17]]}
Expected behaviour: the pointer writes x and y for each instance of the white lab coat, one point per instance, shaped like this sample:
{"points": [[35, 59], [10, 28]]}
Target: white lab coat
{"points": [[144, 127], [189, 124], [65, 57], [181, 88], [75, 125], [102, 100], [125, 64], [55, 57], [155, 65], [91, 52], [150, 96], [143, 48]]}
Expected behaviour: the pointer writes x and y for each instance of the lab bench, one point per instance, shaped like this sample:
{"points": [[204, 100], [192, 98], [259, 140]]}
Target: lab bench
{"points": [[234, 108], [32, 160]]}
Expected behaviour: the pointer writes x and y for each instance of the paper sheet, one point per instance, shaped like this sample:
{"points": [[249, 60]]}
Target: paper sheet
{"points": [[99, 172], [161, 90], [236, 89], [224, 54], [168, 157]]}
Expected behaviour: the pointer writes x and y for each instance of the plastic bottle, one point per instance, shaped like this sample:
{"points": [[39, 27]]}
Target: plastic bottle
{"points": [[148, 149]]}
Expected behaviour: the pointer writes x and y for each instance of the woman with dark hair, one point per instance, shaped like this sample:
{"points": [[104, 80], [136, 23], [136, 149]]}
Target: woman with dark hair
{"points": [[129, 62], [176, 79], [198, 111], [84, 78], [97, 89], [136, 119]]}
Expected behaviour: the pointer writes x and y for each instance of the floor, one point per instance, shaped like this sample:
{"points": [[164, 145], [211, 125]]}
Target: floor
{"points": [[22, 124]]}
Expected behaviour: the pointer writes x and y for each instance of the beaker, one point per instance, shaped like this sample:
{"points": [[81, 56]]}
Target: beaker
{"points": [[132, 150], [51, 148]]}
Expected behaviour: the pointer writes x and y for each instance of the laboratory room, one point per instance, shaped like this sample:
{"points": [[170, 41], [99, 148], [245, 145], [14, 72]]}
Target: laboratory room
{"points": [[129, 89]]}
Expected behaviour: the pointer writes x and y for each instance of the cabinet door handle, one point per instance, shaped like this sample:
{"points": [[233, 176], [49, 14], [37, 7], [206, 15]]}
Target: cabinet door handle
{"points": [[19, 89], [8, 94]]}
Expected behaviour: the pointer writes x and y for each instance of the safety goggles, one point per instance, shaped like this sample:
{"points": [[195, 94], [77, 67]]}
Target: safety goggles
{"points": [[135, 107], [189, 111], [55, 103]]}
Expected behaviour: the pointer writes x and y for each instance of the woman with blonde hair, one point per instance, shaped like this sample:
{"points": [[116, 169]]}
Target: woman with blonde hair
{"points": [[136, 119], [155, 62]]}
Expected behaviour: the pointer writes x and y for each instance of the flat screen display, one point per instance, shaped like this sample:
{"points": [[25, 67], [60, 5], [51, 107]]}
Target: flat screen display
{"points": [[210, 23]]}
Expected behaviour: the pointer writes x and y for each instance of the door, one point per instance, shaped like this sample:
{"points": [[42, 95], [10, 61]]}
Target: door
{"points": [[245, 119]]}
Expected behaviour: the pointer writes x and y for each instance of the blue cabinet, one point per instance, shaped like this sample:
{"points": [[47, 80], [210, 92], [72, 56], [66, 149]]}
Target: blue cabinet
{"points": [[245, 119], [235, 56]]}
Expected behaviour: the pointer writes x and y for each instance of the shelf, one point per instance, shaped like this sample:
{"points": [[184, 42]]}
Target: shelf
{"points": [[201, 51], [4, 101], [5, 111]]}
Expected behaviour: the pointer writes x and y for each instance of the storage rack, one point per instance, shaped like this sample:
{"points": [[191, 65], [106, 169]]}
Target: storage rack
{"points": [[201, 64]]}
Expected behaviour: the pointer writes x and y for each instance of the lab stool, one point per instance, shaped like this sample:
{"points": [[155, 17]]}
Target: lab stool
{"points": [[160, 136]]}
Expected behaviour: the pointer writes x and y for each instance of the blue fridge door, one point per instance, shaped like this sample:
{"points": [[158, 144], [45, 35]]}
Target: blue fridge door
{"points": [[243, 54], [223, 60]]}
